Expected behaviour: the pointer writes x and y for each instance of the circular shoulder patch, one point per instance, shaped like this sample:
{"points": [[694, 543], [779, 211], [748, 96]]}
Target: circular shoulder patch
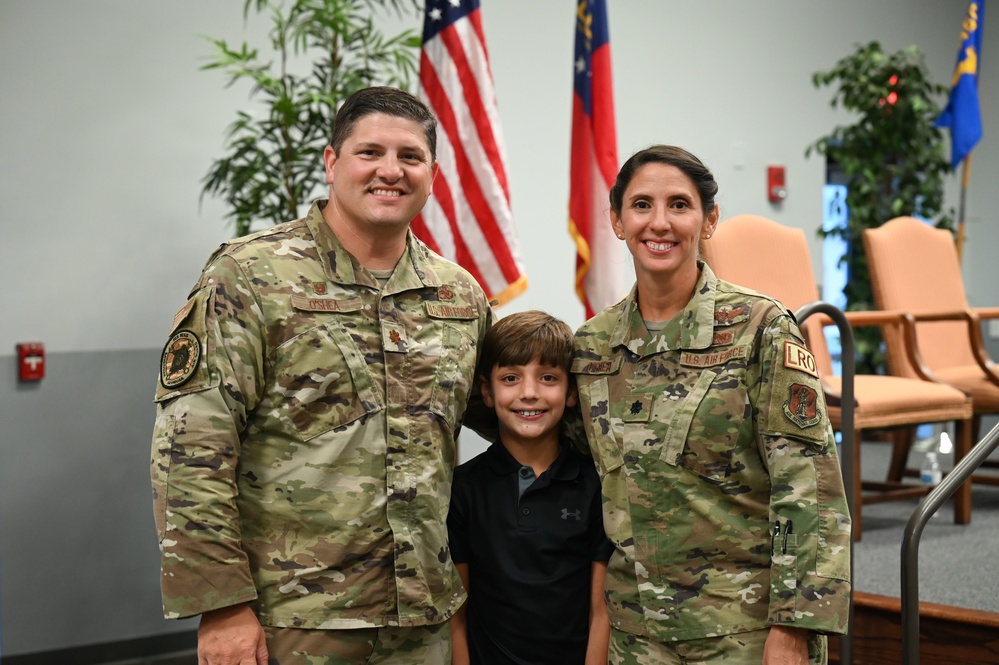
{"points": [[180, 359]]}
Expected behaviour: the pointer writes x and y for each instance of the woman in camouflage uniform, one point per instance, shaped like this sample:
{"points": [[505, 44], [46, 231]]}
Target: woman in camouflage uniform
{"points": [[721, 486]]}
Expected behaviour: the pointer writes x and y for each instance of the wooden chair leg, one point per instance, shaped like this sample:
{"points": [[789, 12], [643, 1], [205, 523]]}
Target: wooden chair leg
{"points": [[962, 498], [901, 441], [858, 494]]}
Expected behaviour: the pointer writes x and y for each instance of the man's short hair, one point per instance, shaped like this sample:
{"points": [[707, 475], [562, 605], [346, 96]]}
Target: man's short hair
{"points": [[518, 339], [390, 101]]}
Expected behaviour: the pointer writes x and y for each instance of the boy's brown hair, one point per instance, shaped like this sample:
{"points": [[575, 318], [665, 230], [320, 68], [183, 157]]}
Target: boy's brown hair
{"points": [[519, 338]]}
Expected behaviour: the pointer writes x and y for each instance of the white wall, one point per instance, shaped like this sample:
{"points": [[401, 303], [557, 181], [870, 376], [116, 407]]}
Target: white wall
{"points": [[108, 126]]}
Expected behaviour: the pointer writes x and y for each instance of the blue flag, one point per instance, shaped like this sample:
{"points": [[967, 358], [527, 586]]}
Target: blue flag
{"points": [[962, 114]]}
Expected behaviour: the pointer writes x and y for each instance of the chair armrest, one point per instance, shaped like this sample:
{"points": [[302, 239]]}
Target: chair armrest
{"points": [[874, 317], [863, 318], [971, 317], [912, 351], [978, 342], [986, 313]]}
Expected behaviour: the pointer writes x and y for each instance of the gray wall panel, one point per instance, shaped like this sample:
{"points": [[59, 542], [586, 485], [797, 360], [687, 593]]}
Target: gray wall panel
{"points": [[78, 556]]}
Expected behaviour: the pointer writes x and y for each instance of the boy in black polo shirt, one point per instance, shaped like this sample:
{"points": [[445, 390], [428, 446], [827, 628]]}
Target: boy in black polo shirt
{"points": [[525, 524]]}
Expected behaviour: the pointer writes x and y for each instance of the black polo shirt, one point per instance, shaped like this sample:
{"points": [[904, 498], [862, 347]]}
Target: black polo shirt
{"points": [[529, 557]]}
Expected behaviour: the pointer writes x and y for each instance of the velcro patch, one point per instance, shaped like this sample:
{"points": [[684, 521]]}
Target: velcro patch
{"points": [[586, 366], [638, 408], [715, 358], [799, 358], [179, 317], [394, 337], [439, 311], [728, 315], [801, 407], [180, 359], [327, 304], [723, 338]]}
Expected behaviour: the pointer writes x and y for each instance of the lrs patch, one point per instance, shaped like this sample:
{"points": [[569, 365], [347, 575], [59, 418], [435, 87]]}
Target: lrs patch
{"points": [[801, 407], [180, 359]]}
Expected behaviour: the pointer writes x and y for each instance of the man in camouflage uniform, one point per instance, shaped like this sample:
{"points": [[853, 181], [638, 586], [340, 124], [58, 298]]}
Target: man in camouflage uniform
{"points": [[309, 397], [722, 489]]}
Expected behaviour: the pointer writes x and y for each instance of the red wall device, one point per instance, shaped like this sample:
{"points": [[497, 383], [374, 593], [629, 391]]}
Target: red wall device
{"points": [[31, 361]]}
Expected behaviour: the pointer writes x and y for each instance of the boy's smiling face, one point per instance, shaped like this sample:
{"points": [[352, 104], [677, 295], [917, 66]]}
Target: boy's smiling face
{"points": [[529, 400]]}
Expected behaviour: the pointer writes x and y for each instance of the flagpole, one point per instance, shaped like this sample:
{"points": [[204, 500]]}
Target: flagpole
{"points": [[965, 178]]}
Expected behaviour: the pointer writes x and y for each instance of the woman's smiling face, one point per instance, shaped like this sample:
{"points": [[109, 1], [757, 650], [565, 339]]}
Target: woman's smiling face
{"points": [[662, 221]]}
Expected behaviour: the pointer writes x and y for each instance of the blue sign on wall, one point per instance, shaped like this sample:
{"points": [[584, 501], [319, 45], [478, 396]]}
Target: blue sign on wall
{"points": [[834, 216]]}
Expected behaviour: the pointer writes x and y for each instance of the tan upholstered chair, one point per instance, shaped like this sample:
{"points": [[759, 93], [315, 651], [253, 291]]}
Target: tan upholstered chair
{"points": [[915, 269], [761, 254]]}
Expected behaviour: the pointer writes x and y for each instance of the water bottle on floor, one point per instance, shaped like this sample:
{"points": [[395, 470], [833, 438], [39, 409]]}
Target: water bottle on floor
{"points": [[930, 473]]}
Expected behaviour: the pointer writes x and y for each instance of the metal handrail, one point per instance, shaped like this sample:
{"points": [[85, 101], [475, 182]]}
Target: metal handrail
{"points": [[914, 531], [847, 456]]}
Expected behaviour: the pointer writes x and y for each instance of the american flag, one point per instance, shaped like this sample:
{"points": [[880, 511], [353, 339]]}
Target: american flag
{"points": [[593, 167], [468, 218]]}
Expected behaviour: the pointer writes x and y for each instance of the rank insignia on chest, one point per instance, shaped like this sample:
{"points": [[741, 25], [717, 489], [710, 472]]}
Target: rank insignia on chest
{"points": [[801, 407], [394, 337], [729, 315], [638, 408], [723, 338], [180, 359], [445, 292]]}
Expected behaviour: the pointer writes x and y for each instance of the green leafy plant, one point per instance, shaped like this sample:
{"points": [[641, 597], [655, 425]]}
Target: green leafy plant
{"points": [[272, 163], [892, 158]]}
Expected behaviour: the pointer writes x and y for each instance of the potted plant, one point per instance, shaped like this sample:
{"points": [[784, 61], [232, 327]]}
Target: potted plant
{"points": [[271, 164], [892, 159]]}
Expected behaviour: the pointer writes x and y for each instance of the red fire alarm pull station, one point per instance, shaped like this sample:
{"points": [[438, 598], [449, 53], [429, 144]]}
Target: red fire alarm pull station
{"points": [[31, 361], [776, 191]]}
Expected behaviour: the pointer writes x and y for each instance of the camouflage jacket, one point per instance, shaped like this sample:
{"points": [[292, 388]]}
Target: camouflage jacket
{"points": [[706, 435], [305, 433]]}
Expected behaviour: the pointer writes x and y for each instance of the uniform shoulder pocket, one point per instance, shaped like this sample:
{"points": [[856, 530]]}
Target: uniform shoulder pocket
{"points": [[794, 405]]}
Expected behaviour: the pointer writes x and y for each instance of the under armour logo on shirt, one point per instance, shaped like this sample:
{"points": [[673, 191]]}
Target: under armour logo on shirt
{"points": [[574, 514]]}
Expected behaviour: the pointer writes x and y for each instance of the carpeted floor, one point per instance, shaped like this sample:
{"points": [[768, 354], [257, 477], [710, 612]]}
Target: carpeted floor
{"points": [[958, 564]]}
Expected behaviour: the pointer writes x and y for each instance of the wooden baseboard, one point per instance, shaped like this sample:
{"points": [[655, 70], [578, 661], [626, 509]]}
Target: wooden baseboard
{"points": [[948, 635]]}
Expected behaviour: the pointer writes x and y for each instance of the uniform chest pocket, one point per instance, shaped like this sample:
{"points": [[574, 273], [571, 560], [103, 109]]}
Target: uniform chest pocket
{"points": [[705, 427], [323, 381], [603, 431], [455, 372]]}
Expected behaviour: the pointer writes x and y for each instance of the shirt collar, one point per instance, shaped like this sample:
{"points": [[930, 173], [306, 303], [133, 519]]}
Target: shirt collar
{"points": [[412, 272], [565, 467], [692, 328]]}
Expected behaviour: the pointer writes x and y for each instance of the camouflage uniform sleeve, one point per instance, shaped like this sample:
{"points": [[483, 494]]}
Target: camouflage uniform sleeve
{"points": [[810, 549], [210, 378], [478, 417], [572, 428]]}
